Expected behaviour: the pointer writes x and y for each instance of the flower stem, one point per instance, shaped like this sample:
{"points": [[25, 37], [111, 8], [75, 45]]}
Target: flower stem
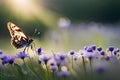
{"points": [[90, 60], [47, 75], [53, 74], [84, 65], [72, 62]]}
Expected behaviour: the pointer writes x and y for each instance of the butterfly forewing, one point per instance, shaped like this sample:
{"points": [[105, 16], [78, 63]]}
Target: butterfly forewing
{"points": [[19, 39]]}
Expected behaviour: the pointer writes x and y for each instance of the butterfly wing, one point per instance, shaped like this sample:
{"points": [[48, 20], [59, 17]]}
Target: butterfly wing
{"points": [[19, 39]]}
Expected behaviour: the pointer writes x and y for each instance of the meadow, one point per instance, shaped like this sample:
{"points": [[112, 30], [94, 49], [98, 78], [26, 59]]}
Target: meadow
{"points": [[85, 52]]}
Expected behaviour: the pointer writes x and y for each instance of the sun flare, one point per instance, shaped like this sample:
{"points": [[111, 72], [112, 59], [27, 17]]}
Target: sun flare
{"points": [[30, 9]]}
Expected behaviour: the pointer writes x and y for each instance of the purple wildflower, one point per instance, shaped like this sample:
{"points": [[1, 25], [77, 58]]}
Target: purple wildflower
{"points": [[64, 72], [11, 59], [89, 49], [1, 52], [85, 47], [111, 48], [62, 57], [115, 52], [99, 49], [53, 68], [7, 59], [107, 58], [58, 62], [91, 55], [93, 47], [59, 58], [4, 59], [22, 55], [39, 51], [45, 59], [71, 53], [102, 53]]}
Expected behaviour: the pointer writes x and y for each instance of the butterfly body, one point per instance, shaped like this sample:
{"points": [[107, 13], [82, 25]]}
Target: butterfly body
{"points": [[18, 38]]}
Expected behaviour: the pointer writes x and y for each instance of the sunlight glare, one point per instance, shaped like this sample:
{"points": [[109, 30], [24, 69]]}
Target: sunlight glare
{"points": [[21, 2], [29, 9]]}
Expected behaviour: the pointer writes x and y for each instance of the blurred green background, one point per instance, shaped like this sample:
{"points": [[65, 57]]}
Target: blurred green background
{"points": [[63, 24]]}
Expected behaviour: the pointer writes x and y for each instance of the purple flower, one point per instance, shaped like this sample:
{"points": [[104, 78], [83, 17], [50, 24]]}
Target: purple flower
{"points": [[45, 59], [89, 49], [110, 57], [39, 51], [107, 58], [7, 59], [58, 62], [11, 59], [63, 73], [71, 53], [93, 47], [59, 59], [115, 52], [4, 59], [99, 49], [85, 47], [102, 53], [62, 57], [1, 52], [53, 68], [91, 55], [111, 48], [22, 55]]}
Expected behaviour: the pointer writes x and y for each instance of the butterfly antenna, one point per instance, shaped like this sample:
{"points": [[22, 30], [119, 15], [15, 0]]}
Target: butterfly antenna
{"points": [[35, 31], [38, 33]]}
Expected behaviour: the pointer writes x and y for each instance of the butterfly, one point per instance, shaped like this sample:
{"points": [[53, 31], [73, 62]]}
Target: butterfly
{"points": [[18, 38]]}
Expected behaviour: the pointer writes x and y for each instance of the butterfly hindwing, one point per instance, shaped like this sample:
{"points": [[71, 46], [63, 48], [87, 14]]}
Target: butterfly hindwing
{"points": [[18, 38]]}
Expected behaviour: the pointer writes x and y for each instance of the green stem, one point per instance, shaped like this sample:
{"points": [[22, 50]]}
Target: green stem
{"points": [[11, 69], [84, 65], [53, 75], [24, 62], [47, 75], [72, 62], [64, 77], [91, 68]]}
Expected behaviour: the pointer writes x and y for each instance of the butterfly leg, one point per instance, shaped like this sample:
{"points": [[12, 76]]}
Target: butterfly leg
{"points": [[24, 49], [27, 49]]}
